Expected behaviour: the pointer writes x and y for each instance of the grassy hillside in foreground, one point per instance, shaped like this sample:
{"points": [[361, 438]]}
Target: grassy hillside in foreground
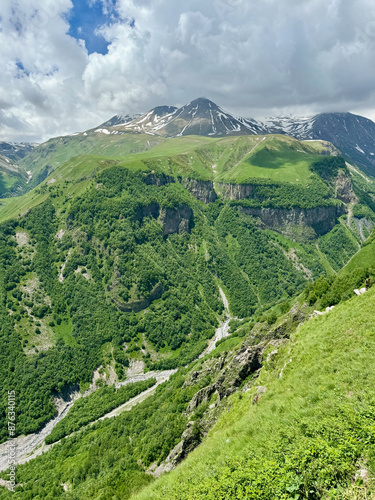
{"points": [[302, 429], [311, 431]]}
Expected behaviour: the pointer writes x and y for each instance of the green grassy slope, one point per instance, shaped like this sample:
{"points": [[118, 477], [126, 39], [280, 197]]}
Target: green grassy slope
{"points": [[12, 177], [92, 245], [308, 434], [364, 258], [48, 156], [234, 158], [69, 180], [275, 157]]}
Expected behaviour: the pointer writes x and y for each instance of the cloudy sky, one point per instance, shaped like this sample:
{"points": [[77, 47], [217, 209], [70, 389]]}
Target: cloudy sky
{"points": [[68, 65]]}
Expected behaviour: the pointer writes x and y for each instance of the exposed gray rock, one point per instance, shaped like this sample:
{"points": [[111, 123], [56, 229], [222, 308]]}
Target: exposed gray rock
{"points": [[236, 191], [158, 180], [190, 439], [201, 396], [176, 220], [202, 190], [290, 221], [259, 393], [344, 189]]}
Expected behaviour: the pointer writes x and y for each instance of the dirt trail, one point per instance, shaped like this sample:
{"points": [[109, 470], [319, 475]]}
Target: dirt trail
{"points": [[31, 446], [251, 150]]}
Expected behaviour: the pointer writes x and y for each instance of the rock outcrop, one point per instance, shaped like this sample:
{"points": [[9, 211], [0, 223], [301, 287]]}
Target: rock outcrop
{"points": [[236, 191], [176, 220], [162, 179], [190, 439], [201, 190], [344, 189], [290, 222]]}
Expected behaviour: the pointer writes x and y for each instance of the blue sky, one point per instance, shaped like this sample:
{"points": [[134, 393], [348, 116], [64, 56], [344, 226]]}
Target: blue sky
{"points": [[86, 18]]}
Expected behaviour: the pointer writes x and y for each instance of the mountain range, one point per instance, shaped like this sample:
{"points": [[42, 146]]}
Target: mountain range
{"points": [[15, 151], [352, 134]]}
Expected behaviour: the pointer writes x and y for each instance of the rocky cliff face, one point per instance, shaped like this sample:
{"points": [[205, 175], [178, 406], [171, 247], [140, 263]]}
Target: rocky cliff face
{"points": [[297, 223], [235, 191], [158, 180], [176, 220], [344, 189], [202, 190]]}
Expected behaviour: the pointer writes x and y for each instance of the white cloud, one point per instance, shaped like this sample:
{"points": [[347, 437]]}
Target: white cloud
{"points": [[251, 57]]}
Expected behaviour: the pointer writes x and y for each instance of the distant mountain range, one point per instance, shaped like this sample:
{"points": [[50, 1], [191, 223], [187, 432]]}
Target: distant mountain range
{"points": [[199, 117], [353, 135], [15, 151]]}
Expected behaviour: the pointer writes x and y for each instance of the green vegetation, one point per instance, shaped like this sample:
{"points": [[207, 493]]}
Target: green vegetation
{"points": [[12, 179], [45, 158], [339, 245], [109, 458], [364, 258], [96, 405], [275, 158], [123, 280], [267, 194], [329, 167], [310, 431], [112, 261], [326, 292]]}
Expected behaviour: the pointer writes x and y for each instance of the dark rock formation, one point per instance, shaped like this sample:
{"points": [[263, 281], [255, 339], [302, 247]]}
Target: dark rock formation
{"points": [[176, 220], [153, 179], [344, 189], [236, 191]]}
